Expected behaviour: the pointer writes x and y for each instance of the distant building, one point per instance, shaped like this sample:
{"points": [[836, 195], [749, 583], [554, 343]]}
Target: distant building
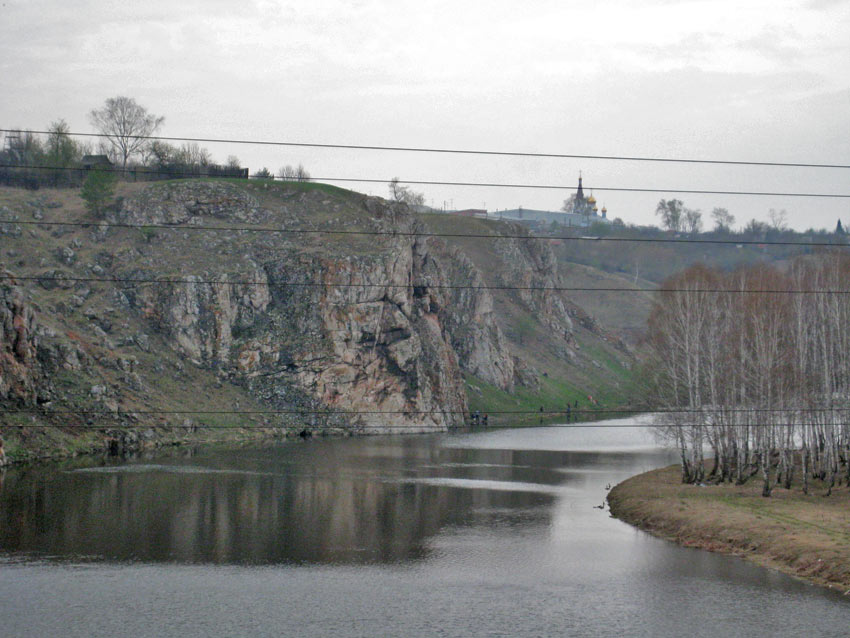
{"points": [[582, 205], [469, 212], [88, 162], [583, 212]]}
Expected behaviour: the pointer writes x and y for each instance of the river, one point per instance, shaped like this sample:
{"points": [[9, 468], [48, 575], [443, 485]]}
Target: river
{"points": [[495, 533]]}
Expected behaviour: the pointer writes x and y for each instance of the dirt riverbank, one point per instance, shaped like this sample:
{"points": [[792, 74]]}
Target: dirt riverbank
{"points": [[807, 536]]}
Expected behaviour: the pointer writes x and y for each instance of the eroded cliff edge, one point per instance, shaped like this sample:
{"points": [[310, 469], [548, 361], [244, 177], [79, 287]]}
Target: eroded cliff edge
{"points": [[255, 305]]}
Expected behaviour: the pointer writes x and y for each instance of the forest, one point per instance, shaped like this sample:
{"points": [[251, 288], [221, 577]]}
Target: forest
{"points": [[752, 366]]}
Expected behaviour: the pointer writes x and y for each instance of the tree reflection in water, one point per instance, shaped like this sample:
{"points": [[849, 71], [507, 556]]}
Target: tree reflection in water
{"points": [[331, 501]]}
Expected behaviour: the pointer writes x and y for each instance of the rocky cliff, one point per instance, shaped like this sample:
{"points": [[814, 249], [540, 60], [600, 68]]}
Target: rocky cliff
{"points": [[362, 338], [19, 367], [283, 306]]}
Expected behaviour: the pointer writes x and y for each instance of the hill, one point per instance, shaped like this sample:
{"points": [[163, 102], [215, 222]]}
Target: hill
{"points": [[211, 308], [651, 254]]}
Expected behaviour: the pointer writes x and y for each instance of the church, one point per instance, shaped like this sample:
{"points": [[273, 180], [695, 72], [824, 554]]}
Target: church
{"points": [[578, 204], [579, 210]]}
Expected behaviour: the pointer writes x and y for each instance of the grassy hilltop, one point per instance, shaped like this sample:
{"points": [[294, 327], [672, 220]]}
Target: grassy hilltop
{"points": [[112, 346]]}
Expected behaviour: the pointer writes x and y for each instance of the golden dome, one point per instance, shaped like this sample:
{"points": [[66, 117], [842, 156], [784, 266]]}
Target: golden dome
{"points": [[595, 209], [604, 210], [591, 200]]}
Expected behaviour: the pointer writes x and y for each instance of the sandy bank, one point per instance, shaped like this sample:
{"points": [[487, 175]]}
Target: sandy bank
{"points": [[805, 536]]}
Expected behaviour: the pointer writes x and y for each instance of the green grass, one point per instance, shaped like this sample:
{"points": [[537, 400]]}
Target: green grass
{"points": [[270, 185], [614, 382], [554, 395]]}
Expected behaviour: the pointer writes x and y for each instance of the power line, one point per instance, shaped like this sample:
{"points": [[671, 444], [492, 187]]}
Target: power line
{"points": [[394, 233], [595, 188], [295, 411], [311, 284], [454, 151], [330, 412], [417, 428], [478, 184]]}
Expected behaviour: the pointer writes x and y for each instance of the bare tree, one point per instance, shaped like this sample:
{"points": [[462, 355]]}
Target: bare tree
{"points": [[671, 213], [692, 220], [778, 219], [61, 151], [191, 154], [404, 195], [290, 174], [762, 377], [301, 174], [161, 153], [126, 125], [723, 219], [569, 204], [756, 228], [287, 173]]}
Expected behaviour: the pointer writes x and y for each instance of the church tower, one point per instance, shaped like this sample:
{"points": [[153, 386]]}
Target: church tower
{"points": [[585, 205]]}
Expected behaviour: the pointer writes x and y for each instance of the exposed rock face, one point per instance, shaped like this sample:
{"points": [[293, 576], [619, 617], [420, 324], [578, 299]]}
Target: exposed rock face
{"points": [[200, 318], [531, 264], [377, 345], [30, 353], [19, 368], [370, 334], [384, 333], [179, 203], [467, 311]]}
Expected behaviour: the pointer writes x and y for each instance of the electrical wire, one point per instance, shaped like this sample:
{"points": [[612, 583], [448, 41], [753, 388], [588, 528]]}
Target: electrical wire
{"points": [[417, 428], [416, 149], [477, 184], [393, 233], [330, 412], [297, 284], [408, 412]]}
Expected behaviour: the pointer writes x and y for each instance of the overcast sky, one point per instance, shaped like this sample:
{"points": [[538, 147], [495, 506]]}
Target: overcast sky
{"points": [[749, 80]]}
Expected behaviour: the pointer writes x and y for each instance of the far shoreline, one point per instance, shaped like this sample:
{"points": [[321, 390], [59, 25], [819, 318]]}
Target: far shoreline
{"points": [[807, 537]]}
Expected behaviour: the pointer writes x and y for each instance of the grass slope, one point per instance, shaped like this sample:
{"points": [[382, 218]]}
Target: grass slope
{"points": [[167, 383], [805, 536], [598, 369]]}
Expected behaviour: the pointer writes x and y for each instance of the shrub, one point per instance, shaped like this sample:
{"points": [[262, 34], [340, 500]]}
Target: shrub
{"points": [[98, 190]]}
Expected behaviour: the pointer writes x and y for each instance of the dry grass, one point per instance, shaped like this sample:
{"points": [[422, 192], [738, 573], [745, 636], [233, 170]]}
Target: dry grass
{"points": [[805, 536], [624, 314]]}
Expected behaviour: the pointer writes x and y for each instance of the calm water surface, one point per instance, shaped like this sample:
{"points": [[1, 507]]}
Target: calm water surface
{"points": [[486, 534]]}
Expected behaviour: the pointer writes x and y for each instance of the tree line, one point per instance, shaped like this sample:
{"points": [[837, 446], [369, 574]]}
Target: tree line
{"points": [[31, 160], [752, 367]]}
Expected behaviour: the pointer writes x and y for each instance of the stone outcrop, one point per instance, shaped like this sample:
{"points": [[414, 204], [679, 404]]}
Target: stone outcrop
{"points": [[182, 202], [530, 266], [365, 334], [467, 310], [19, 368], [379, 338], [375, 352], [31, 353]]}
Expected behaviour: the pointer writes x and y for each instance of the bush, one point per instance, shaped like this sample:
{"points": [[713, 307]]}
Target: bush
{"points": [[98, 190]]}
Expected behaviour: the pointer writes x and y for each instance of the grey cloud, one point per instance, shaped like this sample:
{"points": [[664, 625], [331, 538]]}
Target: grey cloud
{"points": [[773, 43], [687, 49], [825, 4]]}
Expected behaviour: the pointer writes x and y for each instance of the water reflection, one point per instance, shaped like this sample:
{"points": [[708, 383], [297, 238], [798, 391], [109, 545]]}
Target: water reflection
{"points": [[493, 534], [323, 501]]}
